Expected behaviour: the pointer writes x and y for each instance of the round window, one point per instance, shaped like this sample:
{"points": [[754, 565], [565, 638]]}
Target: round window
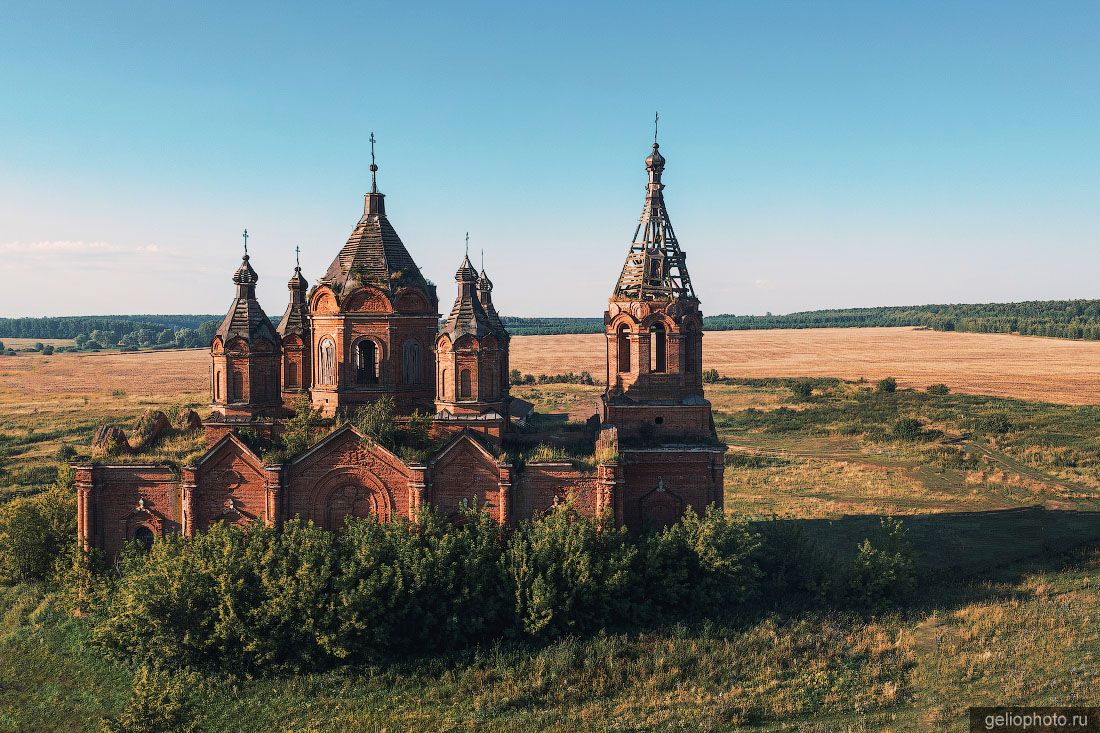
{"points": [[659, 420]]}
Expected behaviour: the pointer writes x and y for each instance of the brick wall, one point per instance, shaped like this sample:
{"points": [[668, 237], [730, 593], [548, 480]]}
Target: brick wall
{"points": [[661, 483], [345, 476], [540, 485]]}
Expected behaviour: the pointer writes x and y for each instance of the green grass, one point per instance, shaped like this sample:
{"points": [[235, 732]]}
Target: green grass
{"points": [[1029, 634], [1025, 631]]}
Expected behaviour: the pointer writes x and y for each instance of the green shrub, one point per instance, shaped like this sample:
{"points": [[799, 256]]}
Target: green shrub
{"points": [[888, 385], [883, 571], [938, 389], [377, 421], [568, 575], [995, 424], [160, 702], [699, 565], [35, 531], [907, 428], [711, 376], [424, 586], [803, 389]]}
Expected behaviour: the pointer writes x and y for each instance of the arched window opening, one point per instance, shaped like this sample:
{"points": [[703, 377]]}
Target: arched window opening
{"points": [[623, 347], [412, 359], [327, 362], [658, 347], [291, 374], [465, 389], [237, 387], [366, 362], [144, 537], [691, 343], [218, 386]]}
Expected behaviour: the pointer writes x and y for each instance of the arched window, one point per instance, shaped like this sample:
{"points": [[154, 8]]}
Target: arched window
{"points": [[326, 362], [465, 388], [366, 362], [412, 358], [145, 537], [237, 390], [292, 373], [218, 386], [623, 348], [658, 348]]}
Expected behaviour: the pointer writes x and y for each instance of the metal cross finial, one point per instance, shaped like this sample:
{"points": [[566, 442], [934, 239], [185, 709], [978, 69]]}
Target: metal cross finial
{"points": [[656, 119], [467, 244], [245, 235], [483, 259], [297, 257], [373, 165]]}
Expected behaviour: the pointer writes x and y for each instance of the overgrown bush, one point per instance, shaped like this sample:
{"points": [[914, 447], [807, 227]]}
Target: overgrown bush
{"points": [[938, 389], [566, 574], [699, 565], [711, 376], [907, 428], [160, 702], [35, 531], [884, 570], [888, 385], [802, 389], [251, 600]]}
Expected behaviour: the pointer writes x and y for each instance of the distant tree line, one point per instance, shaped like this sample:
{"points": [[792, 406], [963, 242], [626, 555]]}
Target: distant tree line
{"points": [[129, 333], [1072, 319]]}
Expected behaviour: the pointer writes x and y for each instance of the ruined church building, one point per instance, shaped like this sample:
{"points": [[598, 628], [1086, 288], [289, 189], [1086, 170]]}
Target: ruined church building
{"points": [[370, 327]]}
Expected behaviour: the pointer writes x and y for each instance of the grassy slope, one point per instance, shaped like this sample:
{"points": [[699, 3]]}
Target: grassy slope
{"points": [[1026, 634], [1029, 636]]}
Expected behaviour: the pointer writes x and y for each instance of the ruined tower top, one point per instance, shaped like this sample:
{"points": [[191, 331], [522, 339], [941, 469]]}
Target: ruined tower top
{"points": [[655, 267]]}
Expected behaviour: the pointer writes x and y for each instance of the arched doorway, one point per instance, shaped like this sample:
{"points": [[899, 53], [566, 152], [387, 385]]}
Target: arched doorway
{"points": [[144, 537]]}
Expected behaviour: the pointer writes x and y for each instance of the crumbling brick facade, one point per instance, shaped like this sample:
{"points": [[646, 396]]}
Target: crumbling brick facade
{"points": [[369, 328]]}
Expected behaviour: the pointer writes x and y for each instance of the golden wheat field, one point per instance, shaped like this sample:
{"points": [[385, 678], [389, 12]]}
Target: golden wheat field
{"points": [[1053, 370], [1002, 365]]}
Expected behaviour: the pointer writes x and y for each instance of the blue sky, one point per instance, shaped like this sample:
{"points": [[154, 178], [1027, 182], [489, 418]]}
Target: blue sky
{"points": [[819, 154]]}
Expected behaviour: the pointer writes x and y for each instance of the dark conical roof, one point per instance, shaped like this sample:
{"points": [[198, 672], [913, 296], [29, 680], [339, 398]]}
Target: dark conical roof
{"points": [[245, 318], [374, 254], [485, 296], [655, 267], [296, 317], [468, 316]]}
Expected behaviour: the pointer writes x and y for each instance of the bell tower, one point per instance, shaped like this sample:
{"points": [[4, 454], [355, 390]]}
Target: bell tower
{"points": [[654, 329]]}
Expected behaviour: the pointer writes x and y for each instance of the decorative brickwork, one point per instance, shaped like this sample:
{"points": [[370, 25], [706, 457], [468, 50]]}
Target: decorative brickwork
{"points": [[370, 328]]}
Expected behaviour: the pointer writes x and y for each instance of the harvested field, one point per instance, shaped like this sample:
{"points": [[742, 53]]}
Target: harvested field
{"points": [[1002, 365], [1024, 367]]}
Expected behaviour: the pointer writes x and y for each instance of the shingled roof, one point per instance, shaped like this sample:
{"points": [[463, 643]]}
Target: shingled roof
{"points": [[485, 296], [468, 317], [296, 317], [374, 254], [246, 319]]}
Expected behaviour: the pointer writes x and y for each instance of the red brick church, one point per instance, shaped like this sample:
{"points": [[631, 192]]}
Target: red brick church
{"points": [[371, 327]]}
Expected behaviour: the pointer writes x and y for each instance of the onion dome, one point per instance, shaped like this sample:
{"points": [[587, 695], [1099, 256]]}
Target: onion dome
{"points": [[655, 161], [468, 316], [296, 317], [245, 318]]}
